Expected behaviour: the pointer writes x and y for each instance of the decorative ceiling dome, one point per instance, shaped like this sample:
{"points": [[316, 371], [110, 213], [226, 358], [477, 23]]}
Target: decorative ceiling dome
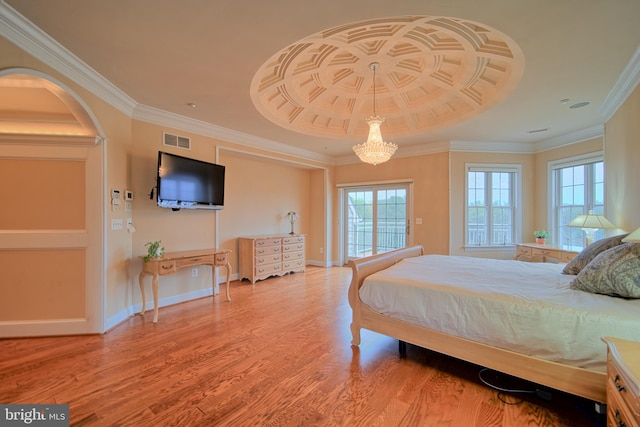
{"points": [[434, 72]]}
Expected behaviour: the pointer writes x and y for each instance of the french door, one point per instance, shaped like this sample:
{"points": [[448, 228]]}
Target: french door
{"points": [[375, 219]]}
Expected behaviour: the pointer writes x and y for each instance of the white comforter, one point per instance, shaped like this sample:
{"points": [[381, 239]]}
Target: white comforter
{"points": [[520, 306]]}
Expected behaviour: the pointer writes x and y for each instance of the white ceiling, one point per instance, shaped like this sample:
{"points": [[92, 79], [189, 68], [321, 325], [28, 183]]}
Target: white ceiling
{"points": [[166, 54]]}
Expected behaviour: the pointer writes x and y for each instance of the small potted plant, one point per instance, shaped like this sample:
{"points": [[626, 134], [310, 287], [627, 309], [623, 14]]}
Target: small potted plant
{"points": [[154, 250], [541, 235]]}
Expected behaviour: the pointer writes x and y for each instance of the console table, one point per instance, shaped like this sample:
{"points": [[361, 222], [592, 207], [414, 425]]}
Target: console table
{"points": [[561, 253], [171, 262]]}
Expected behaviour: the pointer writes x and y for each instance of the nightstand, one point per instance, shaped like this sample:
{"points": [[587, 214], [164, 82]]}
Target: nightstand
{"points": [[623, 382]]}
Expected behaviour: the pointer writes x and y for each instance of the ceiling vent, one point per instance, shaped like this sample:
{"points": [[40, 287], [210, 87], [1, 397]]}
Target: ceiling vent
{"points": [[176, 141]]}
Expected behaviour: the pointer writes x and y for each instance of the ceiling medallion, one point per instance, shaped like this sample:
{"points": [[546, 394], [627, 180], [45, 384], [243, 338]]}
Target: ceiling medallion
{"points": [[434, 72]]}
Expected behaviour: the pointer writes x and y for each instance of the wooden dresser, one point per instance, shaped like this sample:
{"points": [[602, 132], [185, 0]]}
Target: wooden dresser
{"points": [[266, 256], [623, 382]]}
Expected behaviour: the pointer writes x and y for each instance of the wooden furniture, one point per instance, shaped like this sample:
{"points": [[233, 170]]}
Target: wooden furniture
{"points": [[561, 253], [171, 262], [578, 381], [266, 256], [623, 382]]}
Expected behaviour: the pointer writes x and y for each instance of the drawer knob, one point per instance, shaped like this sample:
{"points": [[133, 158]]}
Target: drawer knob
{"points": [[616, 381], [619, 421]]}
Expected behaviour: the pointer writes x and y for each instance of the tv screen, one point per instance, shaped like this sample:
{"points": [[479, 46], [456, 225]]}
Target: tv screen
{"points": [[189, 183]]}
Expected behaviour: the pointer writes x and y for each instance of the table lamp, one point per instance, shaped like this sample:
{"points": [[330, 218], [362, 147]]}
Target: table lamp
{"points": [[633, 237], [590, 223]]}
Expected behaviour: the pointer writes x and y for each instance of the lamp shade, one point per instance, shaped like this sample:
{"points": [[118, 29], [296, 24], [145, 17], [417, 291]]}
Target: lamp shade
{"points": [[633, 237], [591, 221]]}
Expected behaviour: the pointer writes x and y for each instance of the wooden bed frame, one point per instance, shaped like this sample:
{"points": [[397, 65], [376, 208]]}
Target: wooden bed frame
{"points": [[577, 381]]}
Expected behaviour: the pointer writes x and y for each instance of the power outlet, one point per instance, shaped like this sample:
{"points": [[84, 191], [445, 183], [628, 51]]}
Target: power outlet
{"points": [[194, 272]]}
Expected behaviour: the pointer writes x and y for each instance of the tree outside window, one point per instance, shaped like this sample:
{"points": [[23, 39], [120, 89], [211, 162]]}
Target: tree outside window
{"points": [[491, 206]]}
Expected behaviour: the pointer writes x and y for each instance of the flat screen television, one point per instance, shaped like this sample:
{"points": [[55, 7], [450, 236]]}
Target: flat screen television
{"points": [[185, 183]]}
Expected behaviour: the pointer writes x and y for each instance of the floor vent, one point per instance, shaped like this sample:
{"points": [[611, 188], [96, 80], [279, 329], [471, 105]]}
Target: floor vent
{"points": [[176, 141]]}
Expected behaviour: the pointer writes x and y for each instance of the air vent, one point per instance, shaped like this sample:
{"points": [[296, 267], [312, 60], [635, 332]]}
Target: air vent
{"points": [[176, 141]]}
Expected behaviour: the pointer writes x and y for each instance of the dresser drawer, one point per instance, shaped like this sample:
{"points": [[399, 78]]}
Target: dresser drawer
{"points": [[618, 384], [268, 242], [292, 240], [567, 256], [268, 259], [265, 271], [294, 265], [288, 256], [293, 247], [268, 250], [618, 413]]}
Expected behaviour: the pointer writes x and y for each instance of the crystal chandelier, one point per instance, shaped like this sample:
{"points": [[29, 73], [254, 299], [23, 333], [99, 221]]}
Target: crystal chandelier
{"points": [[375, 150]]}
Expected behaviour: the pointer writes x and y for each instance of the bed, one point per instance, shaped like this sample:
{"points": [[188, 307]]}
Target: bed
{"points": [[520, 318]]}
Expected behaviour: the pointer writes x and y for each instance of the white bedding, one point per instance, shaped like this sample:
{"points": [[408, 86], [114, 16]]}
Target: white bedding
{"points": [[520, 306]]}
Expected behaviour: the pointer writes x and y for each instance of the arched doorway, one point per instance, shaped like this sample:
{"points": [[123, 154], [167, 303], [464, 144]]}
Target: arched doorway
{"points": [[51, 223]]}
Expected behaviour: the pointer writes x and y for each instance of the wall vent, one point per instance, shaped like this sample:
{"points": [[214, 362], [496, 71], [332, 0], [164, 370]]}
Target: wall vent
{"points": [[176, 141]]}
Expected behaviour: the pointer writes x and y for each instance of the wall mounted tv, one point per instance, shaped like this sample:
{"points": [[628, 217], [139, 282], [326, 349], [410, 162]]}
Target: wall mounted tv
{"points": [[185, 183]]}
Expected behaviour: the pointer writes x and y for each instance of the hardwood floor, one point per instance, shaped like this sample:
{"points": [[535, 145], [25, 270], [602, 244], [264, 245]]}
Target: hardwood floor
{"points": [[278, 354]]}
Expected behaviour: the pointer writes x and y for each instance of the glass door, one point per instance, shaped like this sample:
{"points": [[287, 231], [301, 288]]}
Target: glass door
{"points": [[375, 219]]}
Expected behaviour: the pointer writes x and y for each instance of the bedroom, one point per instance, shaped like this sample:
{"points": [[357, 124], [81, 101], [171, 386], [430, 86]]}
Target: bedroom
{"points": [[307, 186]]}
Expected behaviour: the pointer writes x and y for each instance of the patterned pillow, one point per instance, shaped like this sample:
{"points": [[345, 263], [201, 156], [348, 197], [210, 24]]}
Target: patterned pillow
{"points": [[615, 272], [590, 252]]}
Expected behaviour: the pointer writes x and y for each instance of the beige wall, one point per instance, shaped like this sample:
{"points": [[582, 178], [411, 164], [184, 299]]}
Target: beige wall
{"points": [[622, 151], [259, 193]]}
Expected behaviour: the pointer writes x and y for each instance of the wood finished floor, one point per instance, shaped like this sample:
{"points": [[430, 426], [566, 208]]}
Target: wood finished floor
{"points": [[278, 354]]}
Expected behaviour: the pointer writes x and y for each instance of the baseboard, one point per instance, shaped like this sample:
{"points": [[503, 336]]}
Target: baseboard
{"points": [[123, 315]]}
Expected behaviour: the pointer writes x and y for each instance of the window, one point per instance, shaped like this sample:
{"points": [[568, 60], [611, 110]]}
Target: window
{"points": [[578, 187], [376, 219], [492, 215]]}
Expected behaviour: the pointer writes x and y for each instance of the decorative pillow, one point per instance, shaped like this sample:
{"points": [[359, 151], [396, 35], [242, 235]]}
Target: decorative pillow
{"points": [[615, 272], [590, 252]]}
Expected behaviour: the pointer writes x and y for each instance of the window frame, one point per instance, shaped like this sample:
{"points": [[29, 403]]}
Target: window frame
{"points": [[516, 195], [553, 195]]}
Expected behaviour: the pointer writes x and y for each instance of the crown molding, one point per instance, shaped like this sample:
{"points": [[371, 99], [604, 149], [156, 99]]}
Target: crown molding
{"points": [[492, 147], [163, 118], [23, 33], [570, 138], [625, 85]]}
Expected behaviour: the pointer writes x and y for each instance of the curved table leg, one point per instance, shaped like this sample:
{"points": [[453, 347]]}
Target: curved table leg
{"points": [[144, 302], [155, 298], [228, 267]]}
